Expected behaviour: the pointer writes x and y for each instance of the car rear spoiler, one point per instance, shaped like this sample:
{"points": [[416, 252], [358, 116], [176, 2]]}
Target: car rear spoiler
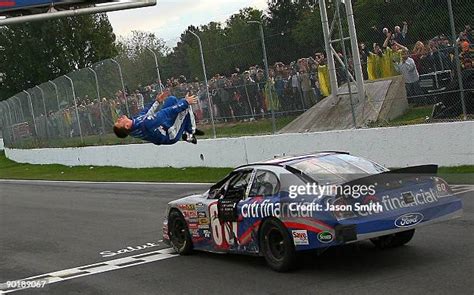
{"points": [[411, 172]]}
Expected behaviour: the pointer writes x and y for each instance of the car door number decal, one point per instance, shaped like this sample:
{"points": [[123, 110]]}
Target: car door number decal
{"points": [[221, 232]]}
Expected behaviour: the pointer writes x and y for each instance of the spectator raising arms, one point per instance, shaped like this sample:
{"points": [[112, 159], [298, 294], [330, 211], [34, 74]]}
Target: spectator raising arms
{"points": [[400, 36], [406, 66]]}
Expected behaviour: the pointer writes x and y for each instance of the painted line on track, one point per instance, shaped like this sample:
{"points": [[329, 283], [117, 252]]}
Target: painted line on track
{"points": [[91, 269], [462, 192], [461, 189], [38, 181]]}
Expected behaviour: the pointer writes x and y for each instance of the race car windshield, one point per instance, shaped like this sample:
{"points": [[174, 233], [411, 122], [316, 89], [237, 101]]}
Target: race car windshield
{"points": [[336, 169]]}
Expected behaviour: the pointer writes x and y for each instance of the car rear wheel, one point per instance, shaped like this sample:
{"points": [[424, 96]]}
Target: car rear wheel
{"points": [[393, 240], [179, 234], [277, 246]]}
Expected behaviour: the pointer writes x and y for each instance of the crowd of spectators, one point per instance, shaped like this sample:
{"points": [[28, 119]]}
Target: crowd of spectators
{"points": [[432, 57], [247, 95]]}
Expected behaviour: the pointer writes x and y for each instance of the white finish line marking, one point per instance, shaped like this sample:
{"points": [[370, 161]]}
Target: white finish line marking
{"points": [[91, 269], [461, 189], [40, 181]]}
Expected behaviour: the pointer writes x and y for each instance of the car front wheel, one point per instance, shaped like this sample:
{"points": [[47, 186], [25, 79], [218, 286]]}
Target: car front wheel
{"points": [[179, 234], [277, 246]]}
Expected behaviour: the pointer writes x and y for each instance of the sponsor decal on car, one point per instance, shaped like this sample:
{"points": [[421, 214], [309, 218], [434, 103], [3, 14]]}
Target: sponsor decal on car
{"points": [[409, 219], [325, 237], [190, 214], [200, 207], [203, 221], [193, 226], [195, 233], [206, 233], [187, 207], [202, 214], [300, 237]]}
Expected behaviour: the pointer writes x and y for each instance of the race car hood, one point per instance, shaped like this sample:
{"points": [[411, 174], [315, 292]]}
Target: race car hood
{"points": [[191, 199]]}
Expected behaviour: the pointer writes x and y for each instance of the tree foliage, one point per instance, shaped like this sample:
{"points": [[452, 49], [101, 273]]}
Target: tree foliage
{"points": [[36, 52], [137, 59], [233, 44]]}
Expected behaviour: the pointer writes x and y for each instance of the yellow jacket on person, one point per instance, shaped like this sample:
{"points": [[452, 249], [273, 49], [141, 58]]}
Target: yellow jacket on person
{"points": [[323, 77]]}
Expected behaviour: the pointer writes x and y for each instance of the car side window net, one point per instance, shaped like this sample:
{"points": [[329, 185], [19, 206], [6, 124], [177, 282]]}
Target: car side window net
{"points": [[265, 184], [237, 185]]}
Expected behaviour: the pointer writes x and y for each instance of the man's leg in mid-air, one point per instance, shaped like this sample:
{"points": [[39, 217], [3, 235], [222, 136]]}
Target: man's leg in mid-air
{"points": [[176, 117], [180, 123], [190, 125], [169, 102]]}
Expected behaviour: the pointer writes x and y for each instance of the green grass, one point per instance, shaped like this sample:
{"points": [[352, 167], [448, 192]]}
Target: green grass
{"points": [[13, 170], [457, 175], [414, 115], [259, 127]]}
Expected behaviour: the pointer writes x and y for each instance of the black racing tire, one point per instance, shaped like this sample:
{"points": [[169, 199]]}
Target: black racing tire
{"points": [[179, 234], [393, 240], [277, 246]]}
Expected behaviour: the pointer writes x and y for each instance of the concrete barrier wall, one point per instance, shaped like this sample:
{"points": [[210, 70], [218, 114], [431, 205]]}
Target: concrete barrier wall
{"points": [[1, 144], [445, 144]]}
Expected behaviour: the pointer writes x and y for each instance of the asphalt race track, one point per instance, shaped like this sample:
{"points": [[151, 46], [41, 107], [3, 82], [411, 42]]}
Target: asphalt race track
{"points": [[56, 231]]}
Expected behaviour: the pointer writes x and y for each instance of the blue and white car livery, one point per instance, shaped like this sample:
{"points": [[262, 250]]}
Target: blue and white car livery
{"points": [[279, 207]]}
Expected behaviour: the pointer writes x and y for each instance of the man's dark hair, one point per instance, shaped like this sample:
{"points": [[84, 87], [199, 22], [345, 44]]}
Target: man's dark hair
{"points": [[121, 132]]}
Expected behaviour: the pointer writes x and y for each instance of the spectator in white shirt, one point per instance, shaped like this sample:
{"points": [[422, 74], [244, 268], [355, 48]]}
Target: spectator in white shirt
{"points": [[406, 66]]}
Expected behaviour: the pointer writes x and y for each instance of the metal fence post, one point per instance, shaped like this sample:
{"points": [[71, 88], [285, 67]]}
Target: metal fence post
{"points": [[456, 56], [7, 125], [15, 114], [9, 113], [75, 107], [123, 85], [45, 111], [42, 97], [211, 108], [3, 117], [98, 97], [157, 68], [32, 111], [267, 72], [12, 122], [327, 42], [20, 111], [346, 64], [355, 52], [57, 93]]}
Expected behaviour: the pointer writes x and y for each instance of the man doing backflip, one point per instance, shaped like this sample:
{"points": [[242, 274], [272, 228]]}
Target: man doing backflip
{"points": [[165, 125]]}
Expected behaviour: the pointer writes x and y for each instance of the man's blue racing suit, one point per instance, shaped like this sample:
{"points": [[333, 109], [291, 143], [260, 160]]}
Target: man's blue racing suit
{"points": [[164, 126]]}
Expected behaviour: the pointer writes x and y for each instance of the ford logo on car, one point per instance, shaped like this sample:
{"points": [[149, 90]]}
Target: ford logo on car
{"points": [[408, 219]]}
